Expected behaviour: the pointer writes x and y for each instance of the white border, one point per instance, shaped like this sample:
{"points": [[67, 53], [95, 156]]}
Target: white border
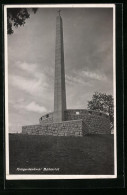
{"points": [[38, 177]]}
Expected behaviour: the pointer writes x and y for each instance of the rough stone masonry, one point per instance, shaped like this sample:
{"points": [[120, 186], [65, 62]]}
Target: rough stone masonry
{"points": [[64, 122]]}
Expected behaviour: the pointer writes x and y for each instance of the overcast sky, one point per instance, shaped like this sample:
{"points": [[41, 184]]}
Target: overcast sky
{"points": [[88, 41]]}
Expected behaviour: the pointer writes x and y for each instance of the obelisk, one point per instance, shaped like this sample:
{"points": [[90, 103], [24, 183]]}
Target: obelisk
{"points": [[59, 86]]}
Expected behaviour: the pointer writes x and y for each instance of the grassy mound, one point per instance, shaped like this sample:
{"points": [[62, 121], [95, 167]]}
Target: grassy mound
{"points": [[89, 155]]}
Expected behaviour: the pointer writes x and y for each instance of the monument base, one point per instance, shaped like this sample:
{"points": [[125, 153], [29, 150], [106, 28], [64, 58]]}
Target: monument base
{"points": [[94, 122], [64, 128]]}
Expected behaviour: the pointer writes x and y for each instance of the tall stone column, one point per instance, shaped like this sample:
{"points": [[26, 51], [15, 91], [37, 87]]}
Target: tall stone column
{"points": [[59, 88]]}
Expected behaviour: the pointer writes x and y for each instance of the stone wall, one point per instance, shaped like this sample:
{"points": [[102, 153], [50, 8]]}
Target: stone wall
{"points": [[31, 129], [85, 129], [96, 122], [65, 128], [47, 118]]}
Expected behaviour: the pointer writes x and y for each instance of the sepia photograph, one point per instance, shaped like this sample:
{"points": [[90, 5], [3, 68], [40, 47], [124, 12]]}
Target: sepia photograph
{"points": [[60, 91]]}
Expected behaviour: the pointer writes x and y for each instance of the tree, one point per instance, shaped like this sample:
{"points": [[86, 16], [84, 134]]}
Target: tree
{"points": [[17, 17], [104, 103]]}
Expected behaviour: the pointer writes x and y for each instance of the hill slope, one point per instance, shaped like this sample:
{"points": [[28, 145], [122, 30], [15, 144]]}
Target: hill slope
{"points": [[88, 155]]}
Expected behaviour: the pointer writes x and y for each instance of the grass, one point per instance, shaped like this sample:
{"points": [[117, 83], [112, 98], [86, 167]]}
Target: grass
{"points": [[89, 155]]}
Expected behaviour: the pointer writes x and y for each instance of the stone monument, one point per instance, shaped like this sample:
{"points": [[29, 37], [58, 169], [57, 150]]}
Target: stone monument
{"points": [[63, 121], [59, 89]]}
